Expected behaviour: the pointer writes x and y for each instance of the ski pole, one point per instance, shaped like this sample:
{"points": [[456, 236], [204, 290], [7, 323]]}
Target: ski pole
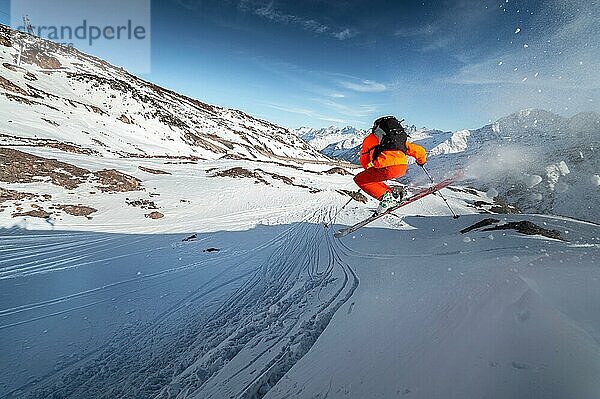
{"points": [[350, 200], [344, 206], [331, 220], [454, 215]]}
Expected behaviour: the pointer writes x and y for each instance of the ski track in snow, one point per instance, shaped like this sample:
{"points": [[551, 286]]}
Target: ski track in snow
{"points": [[250, 320], [282, 294], [433, 308]]}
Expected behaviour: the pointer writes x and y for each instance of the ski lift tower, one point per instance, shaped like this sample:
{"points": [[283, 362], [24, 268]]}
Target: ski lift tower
{"points": [[28, 29], [27, 24]]}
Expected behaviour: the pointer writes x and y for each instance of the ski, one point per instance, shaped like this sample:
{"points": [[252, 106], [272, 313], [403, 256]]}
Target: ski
{"points": [[415, 197]]}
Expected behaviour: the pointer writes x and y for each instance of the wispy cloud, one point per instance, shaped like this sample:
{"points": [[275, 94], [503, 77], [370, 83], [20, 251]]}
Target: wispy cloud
{"points": [[293, 110], [364, 86], [345, 34], [360, 111], [439, 43], [317, 115], [337, 120], [271, 12]]}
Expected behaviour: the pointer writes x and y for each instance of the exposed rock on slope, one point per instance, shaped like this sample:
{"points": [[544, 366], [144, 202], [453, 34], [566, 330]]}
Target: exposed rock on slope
{"points": [[21, 167]]}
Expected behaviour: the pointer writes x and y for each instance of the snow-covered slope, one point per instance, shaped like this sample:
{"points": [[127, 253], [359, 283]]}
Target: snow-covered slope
{"points": [[284, 310], [439, 314], [458, 142], [61, 94]]}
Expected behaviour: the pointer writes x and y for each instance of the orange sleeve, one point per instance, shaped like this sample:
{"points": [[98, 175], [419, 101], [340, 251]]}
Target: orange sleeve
{"points": [[417, 152], [366, 152]]}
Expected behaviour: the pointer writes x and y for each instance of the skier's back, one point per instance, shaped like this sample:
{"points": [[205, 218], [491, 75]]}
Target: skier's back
{"points": [[383, 156]]}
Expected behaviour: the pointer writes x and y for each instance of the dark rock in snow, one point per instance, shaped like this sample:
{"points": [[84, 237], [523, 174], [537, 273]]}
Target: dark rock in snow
{"points": [[523, 227], [5, 41], [529, 228], [356, 195], [238, 172], [154, 215], [36, 213], [112, 180], [123, 118], [141, 203], [501, 206], [41, 58], [193, 237], [478, 225], [77, 210], [20, 167], [10, 86], [337, 170], [11, 195], [153, 171]]}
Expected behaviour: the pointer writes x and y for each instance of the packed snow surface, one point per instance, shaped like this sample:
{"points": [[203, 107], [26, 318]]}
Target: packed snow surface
{"points": [[440, 314], [285, 311]]}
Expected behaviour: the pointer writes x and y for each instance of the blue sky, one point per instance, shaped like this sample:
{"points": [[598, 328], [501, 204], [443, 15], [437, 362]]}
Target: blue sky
{"points": [[443, 64]]}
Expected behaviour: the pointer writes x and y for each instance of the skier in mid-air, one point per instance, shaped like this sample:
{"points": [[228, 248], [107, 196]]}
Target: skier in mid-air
{"points": [[383, 156]]}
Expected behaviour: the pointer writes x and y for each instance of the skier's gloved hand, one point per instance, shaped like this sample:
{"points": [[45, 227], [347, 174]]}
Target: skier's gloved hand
{"points": [[421, 164]]}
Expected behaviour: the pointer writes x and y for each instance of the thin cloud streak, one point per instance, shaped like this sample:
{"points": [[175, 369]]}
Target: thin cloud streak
{"points": [[364, 86], [345, 34], [315, 115], [270, 12], [362, 110], [424, 31]]}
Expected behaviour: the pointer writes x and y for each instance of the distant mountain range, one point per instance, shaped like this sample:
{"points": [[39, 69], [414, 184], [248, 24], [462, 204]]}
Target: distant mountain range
{"points": [[536, 159]]}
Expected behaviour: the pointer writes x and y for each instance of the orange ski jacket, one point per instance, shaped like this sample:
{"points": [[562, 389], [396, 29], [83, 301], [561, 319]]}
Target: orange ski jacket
{"points": [[389, 157]]}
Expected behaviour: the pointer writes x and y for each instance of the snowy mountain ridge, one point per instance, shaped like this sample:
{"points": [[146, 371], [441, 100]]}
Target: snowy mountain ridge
{"points": [[539, 161], [345, 137], [62, 94]]}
